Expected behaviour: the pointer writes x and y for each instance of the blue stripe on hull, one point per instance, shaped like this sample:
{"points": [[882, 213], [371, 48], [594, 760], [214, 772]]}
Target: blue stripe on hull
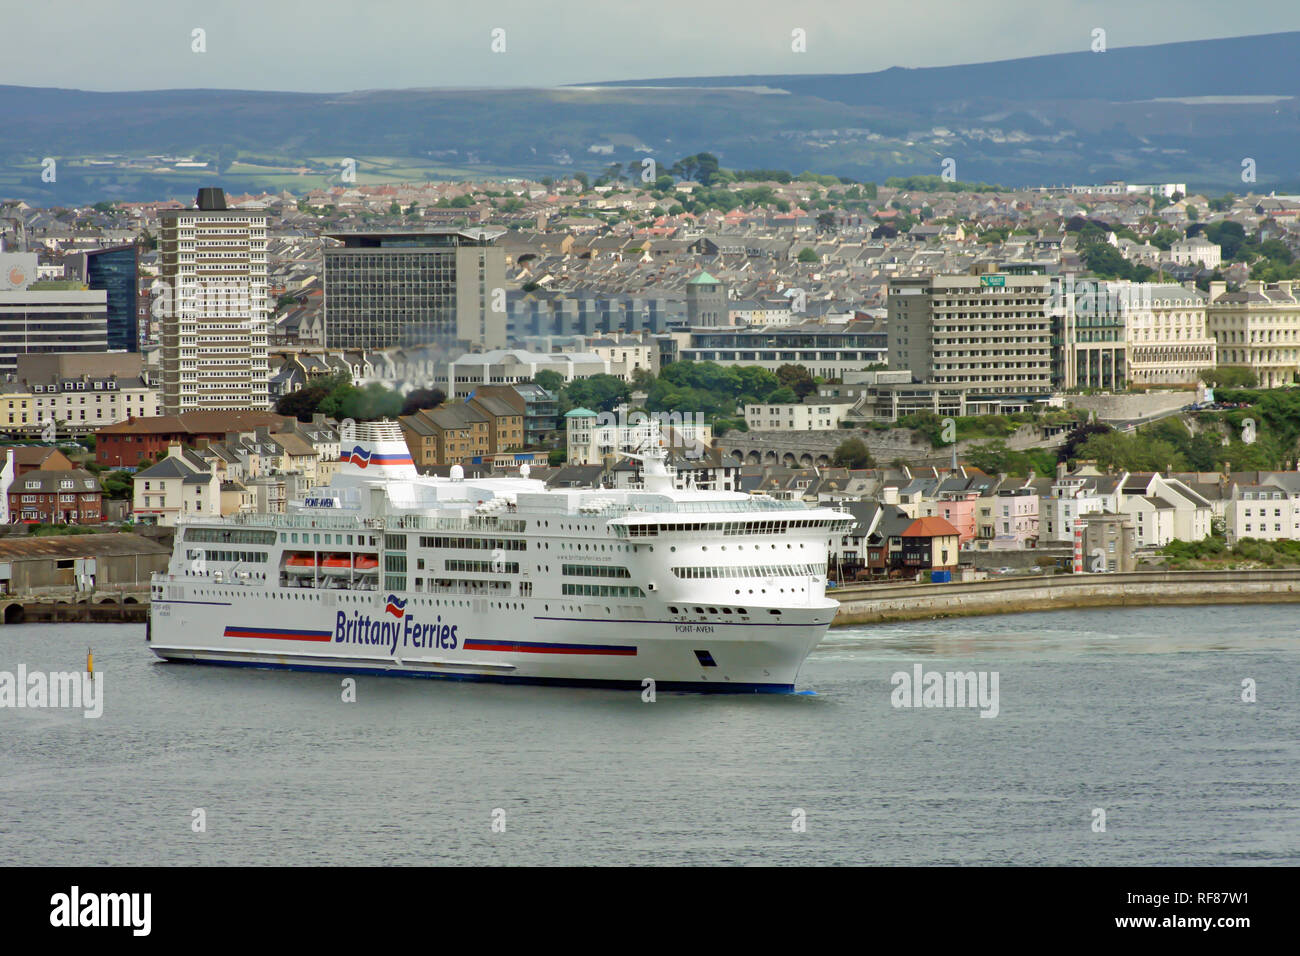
{"points": [[693, 687]]}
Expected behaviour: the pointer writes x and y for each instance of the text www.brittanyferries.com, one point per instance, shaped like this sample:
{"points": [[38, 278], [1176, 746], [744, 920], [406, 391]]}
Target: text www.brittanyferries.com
{"points": [[1171, 921]]}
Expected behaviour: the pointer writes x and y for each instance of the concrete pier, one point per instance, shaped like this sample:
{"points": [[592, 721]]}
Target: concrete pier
{"points": [[870, 604]]}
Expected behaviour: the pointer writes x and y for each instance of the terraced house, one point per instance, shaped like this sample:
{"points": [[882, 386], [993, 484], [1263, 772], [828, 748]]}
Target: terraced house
{"points": [[63, 496], [1257, 328], [460, 433]]}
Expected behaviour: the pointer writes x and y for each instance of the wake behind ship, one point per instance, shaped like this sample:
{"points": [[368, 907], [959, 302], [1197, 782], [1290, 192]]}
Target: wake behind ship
{"points": [[386, 571]]}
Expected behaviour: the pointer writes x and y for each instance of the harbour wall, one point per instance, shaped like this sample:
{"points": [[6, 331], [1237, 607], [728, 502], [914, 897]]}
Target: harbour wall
{"points": [[872, 604]]}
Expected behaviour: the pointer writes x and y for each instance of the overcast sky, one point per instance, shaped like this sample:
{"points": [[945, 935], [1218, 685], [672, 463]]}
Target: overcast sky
{"points": [[332, 45]]}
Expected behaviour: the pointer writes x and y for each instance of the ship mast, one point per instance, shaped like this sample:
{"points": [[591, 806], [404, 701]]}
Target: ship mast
{"points": [[656, 475]]}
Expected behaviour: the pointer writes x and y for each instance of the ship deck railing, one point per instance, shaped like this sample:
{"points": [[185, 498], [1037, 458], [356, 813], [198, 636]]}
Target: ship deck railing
{"points": [[753, 505]]}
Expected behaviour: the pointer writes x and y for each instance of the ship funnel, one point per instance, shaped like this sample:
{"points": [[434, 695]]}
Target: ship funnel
{"points": [[375, 450]]}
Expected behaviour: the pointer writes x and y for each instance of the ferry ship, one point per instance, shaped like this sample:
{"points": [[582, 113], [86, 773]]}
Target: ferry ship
{"points": [[387, 571]]}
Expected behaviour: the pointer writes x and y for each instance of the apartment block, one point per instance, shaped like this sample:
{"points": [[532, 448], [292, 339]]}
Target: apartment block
{"points": [[214, 315], [989, 333]]}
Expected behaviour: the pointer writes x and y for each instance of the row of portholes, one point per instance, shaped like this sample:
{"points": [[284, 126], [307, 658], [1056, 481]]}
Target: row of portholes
{"points": [[257, 575], [739, 547], [572, 608], [712, 610], [591, 547]]}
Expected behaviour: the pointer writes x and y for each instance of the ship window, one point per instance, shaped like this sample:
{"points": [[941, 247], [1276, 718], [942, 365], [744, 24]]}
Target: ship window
{"points": [[699, 610], [673, 609]]}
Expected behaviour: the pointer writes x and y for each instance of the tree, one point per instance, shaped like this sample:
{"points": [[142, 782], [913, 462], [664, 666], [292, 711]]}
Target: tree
{"points": [[1164, 238], [853, 453], [826, 222], [807, 255], [1080, 435], [306, 401], [553, 382], [782, 396], [599, 393], [419, 398], [1229, 236], [1105, 260], [798, 379], [116, 484], [1227, 376]]}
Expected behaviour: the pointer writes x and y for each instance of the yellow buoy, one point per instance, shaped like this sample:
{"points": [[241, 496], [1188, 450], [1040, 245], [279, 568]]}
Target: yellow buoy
{"points": [[90, 662]]}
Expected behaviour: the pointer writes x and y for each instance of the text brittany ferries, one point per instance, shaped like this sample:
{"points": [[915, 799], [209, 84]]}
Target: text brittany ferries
{"points": [[385, 571]]}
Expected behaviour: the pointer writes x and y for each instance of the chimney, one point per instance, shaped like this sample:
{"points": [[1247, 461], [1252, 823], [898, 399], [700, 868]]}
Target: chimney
{"points": [[173, 450], [1060, 470], [212, 199]]}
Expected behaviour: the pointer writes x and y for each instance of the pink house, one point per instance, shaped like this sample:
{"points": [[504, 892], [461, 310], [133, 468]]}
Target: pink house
{"points": [[1015, 518], [958, 509]]}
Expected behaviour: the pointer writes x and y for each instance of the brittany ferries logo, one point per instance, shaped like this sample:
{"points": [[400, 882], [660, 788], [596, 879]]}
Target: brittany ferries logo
{"points": [[405, 631], [361, 457], [358, 456]]}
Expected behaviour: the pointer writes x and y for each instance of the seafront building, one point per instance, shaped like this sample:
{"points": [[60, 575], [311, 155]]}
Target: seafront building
{"points": [[991, 334], [1257, 329], [1168, 341]]}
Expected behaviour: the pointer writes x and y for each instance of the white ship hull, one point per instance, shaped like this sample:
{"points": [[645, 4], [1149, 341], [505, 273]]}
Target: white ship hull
{"points": [[385, 571], [238, 627]]}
